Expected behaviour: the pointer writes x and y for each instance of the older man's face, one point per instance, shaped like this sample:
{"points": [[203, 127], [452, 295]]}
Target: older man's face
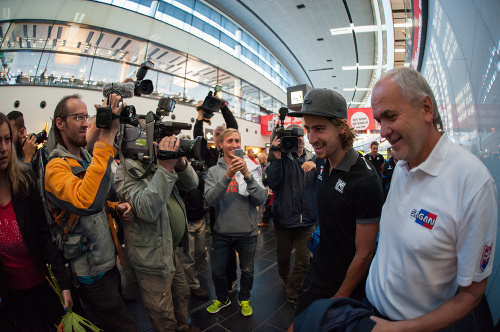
{"points": [[403, 125]]}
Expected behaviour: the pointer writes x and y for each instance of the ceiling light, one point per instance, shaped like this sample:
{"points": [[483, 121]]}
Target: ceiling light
{"points": [[348, 30], [358, 67], [357, 89], [301, 6], [320, 39]]}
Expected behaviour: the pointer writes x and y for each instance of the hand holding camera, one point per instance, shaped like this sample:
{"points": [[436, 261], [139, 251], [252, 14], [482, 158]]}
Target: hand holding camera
{"points": [[275, 147], [30, 147], [168, 143]]}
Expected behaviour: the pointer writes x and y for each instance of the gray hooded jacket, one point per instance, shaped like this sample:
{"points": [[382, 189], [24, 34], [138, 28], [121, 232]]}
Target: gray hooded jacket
{"points": [[235, 201]]}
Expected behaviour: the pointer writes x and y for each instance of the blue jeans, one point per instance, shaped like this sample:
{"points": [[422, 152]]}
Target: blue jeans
{"points": [[219, 252]]}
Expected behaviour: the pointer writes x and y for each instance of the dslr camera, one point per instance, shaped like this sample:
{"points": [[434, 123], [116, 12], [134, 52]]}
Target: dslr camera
{"points": [[289, 137], [211, 104], [40, 137], [105, 116]]}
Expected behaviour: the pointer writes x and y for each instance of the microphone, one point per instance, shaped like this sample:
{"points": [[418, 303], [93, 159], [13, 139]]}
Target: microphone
{"points": [[126, 90]]}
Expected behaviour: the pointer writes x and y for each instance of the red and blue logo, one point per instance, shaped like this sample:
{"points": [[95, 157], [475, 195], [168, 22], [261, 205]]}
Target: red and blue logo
{"points": [[485, 258], [424, 218]]}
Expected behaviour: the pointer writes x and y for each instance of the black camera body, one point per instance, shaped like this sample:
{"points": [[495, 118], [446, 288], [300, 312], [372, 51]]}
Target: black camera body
{"points": [[142, 86], [41, 136], [289, 137], [211, 104], [105, 116]]}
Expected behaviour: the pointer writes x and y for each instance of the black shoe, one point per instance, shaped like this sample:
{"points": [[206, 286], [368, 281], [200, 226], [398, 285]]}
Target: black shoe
{"points": [[199, 293]]}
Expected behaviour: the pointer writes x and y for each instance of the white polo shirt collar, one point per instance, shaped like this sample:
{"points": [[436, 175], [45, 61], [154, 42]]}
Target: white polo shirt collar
{"points": [[434, 162]]}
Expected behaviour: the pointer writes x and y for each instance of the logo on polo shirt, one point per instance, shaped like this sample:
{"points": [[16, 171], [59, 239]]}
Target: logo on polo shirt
{"points": [[485, 258], [340, 186], [320, 176], [424, 218]]}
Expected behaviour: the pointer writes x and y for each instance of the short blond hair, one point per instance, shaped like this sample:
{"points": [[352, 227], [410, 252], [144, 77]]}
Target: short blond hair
{"points": [[227, 132]]}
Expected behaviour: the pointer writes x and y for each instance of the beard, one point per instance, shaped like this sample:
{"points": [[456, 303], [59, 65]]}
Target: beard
{"points": [[78, 141]]}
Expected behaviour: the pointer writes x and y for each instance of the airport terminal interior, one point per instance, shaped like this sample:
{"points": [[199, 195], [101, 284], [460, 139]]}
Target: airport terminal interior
{"points": [[260, 56]]}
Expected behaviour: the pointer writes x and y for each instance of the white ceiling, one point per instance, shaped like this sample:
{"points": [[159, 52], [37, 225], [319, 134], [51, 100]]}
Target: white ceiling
{"points": [[292, 34]]}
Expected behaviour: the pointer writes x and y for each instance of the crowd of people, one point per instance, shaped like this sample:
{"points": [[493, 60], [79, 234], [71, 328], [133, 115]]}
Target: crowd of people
{"points": [[405, 244]]}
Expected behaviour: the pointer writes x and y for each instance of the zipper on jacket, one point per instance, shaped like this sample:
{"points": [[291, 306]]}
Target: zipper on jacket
{"points": [[301, 218]]}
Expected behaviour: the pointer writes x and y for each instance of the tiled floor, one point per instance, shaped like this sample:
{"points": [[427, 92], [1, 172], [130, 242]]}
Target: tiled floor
{"points": [[271, 311]]}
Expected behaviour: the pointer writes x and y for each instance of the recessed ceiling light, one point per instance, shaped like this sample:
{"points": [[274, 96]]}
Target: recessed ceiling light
{"points": [[301, 6], [320, 39]]}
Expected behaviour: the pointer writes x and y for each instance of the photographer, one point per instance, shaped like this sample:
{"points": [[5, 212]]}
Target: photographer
{"points": [[76, 185], [25, 144], [152, 238], [292, 178]]}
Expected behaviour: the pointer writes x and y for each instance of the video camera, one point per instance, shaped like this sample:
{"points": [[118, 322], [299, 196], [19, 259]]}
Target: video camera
{"points": [[211, 104], [137, 143], [289, 137], [105, 116]]}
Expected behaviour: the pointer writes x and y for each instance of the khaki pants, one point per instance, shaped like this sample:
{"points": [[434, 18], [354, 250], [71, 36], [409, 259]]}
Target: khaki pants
{"points": [[165, 299], [197, 253]]}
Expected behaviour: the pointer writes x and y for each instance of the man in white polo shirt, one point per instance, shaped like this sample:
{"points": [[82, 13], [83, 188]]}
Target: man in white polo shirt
{"points": [[439, 223]]}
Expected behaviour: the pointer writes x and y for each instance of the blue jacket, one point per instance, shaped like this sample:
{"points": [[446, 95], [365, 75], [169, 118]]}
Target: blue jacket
{"points": [[294, 202]]}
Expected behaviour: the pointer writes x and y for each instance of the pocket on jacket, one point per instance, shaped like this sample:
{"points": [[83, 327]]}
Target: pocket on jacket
{"points": [[74, 246], [146, 251]]}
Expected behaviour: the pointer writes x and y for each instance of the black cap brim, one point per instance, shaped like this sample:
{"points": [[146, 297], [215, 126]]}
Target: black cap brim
{"points": [[301, 114]]}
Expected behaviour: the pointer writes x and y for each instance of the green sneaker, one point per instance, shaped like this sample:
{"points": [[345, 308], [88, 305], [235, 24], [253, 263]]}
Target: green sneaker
{"points": [[246, 309], [218, 305]]}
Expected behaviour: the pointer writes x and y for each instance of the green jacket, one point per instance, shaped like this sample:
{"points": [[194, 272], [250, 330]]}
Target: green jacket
{"points": [[148, 238]]}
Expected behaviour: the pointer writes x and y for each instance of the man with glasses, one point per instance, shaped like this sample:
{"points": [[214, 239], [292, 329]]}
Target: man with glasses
{"points": [[76, 185]]}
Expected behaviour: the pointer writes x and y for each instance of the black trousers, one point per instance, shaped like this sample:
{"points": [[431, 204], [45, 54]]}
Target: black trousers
{"points": [[103, 298], [34, 309]]}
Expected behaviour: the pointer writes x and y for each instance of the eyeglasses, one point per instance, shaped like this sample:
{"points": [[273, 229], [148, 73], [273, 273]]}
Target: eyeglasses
{"points": [[79, 116]]}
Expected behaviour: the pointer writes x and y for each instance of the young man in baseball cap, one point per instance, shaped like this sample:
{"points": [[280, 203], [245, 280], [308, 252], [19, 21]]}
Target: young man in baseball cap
{"points": [[349, 197]]}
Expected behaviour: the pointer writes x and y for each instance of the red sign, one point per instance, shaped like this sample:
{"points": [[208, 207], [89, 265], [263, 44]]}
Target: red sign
{"points": [[268, 122], [417, 32], [361, 119]]}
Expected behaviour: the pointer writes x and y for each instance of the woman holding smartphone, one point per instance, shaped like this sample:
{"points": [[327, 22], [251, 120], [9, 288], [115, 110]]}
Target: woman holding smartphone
{"points": [[234, 187]]}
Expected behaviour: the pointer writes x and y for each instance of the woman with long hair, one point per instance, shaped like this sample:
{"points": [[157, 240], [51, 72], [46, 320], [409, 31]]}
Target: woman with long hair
{"points": [[26, 246]]}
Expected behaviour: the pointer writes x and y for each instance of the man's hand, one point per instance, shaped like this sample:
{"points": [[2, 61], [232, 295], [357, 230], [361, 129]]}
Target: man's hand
{"points": [[237, 164], [29, 148], [382, 325], [181, 164], [117, 104], [68, 301], [125, 210], [169, 143], [275, 144], [308, 166]]}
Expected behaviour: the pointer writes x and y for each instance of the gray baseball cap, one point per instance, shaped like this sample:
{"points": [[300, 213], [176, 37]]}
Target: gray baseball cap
{"points": [[323, 102]]}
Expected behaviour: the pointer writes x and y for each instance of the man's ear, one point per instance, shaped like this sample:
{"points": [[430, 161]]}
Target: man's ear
{"points": [[60, 124], [22, 132], [428, 108]]}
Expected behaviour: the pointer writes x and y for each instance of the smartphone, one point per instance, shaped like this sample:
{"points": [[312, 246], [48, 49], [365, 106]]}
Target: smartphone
{"points": [[238, 153]]}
